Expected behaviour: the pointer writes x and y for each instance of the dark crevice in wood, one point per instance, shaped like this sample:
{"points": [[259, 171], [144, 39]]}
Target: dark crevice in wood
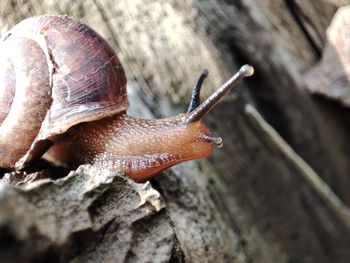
{"points": [[177, 255], [287, 109], [266, 91], [265, 95], [3, 171], [79, 243], [333, 114], [317, 219], [296, 13]]}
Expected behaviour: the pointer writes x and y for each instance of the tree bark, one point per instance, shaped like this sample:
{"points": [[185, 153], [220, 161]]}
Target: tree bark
{"points": [[267, 196]]}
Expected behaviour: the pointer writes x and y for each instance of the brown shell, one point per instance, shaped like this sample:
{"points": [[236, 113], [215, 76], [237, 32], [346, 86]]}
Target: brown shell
{"points": [[84, 82], [87, 78], [25, 99]]}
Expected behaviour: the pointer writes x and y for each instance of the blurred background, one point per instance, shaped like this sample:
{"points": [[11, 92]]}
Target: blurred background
{"points": [[264, 197]]}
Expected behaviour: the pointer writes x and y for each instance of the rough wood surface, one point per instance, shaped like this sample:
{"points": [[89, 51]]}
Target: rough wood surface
{"points": [[251, 201], [331, 76], [80, 216]]}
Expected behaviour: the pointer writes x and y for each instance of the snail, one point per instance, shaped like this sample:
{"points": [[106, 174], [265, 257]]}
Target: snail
{"points": [[63, 98]]}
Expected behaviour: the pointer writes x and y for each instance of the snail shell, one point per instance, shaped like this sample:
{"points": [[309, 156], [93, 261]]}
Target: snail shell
{"points": [[55, 72]]}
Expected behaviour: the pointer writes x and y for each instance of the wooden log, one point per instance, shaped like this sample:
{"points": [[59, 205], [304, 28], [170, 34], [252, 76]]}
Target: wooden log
{"points": [[251, 201]]}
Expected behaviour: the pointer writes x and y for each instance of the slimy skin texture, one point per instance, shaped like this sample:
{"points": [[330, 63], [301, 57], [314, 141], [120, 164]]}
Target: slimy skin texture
{"points": [[142, 148], [137, 147], [65, 88]]}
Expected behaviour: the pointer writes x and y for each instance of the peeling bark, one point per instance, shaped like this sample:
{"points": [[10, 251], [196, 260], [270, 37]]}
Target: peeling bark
{"points": [[89, 215]]}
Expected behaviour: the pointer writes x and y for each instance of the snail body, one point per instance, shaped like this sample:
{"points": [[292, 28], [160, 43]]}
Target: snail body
{"points": [[63, 94]]}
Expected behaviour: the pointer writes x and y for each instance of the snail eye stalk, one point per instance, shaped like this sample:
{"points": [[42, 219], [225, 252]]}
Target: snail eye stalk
{"points": [[206, 106], [195, 97]]}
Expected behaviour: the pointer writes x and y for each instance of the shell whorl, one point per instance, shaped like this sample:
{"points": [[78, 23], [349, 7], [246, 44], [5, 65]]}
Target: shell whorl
{"points": [[72, 75], [29, 97]]}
